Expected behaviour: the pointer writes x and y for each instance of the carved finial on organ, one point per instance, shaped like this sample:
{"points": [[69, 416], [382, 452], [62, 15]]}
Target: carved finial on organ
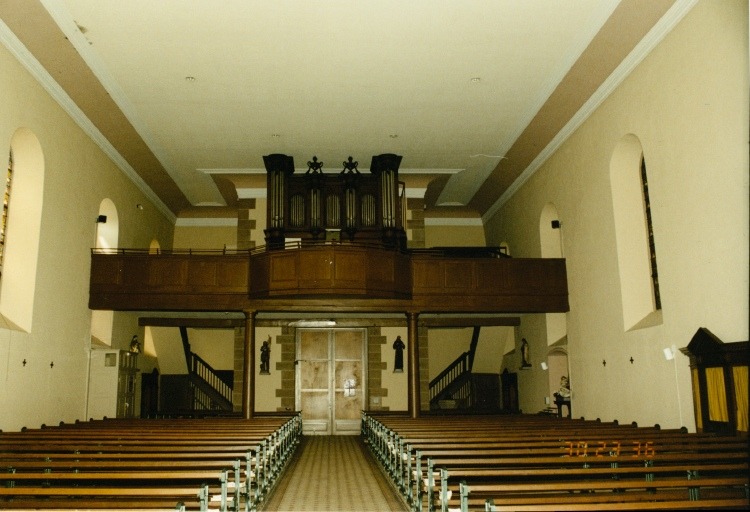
{"points": [[314, 166], [350, 167]]}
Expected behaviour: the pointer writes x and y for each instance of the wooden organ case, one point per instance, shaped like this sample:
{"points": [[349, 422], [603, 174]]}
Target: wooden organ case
{"points": [[348, 205]]}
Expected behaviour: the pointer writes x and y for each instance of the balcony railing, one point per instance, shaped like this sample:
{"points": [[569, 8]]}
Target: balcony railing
{"points": [[327, 276]]}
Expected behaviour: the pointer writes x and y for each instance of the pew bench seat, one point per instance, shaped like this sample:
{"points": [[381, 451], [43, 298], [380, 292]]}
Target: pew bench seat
{"points": [[446, 484], [107, 498], [596, 492]]}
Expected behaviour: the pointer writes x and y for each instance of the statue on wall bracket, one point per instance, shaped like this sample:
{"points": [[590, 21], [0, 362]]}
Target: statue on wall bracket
{"points": [[525, 358], [399, 346], [265, 357]]}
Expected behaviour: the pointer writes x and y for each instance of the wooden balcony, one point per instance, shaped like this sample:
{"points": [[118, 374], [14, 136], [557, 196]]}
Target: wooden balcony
{"points": [[328, 277]]}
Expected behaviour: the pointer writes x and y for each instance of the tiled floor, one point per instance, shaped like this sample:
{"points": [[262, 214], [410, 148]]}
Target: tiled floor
{"points": [[333, 473]]}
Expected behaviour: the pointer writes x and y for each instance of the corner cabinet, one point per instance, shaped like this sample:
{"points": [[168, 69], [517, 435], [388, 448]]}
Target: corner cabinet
{"points": [[112, 384]]}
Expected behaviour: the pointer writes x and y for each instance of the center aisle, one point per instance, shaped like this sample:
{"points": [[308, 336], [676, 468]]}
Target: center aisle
{"points": [[333, 473]]}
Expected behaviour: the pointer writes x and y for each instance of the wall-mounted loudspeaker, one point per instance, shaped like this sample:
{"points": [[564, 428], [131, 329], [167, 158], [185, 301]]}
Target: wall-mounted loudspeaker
{"points": [[101, 219], [555, 224]]}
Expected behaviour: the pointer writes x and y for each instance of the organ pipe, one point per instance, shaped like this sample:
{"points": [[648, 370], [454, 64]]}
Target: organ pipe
{"points": [[315, 208], [351, 208], [368, 206], [278, 199]]}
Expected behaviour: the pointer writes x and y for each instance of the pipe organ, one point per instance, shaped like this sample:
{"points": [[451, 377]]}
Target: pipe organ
{"points": [[347, 205]]}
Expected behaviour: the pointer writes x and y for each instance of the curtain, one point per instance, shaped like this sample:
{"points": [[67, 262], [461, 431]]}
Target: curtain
{"points": [[697, 400], [739, 373], [717, 396]]}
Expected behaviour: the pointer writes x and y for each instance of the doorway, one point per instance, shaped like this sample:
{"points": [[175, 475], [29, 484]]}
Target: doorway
{"points": [[330, 377]]}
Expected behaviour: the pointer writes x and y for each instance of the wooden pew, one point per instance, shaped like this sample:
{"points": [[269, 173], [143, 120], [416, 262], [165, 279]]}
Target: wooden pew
{"points": [[626, 494], [485, 454], [108, 498], [535, 452], [479, 470], [87, 458], [144, 489]]}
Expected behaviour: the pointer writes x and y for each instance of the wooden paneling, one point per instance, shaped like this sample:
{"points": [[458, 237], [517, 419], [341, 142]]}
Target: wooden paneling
{"points": [[340, 270], [327, 277], [138, 280], [282, 271], [105, 272], [202, 273]]}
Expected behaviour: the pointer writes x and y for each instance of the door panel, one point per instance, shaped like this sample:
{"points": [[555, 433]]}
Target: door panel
{"points": [[313, 377], [348, 349], [330, 377], [314, 344]]}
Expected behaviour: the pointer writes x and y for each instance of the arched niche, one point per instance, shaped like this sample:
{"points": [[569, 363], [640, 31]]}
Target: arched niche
{"points": [[107, 225], [154, 247], [107, 235], [550, 239], [639, 307], [21, 252]]}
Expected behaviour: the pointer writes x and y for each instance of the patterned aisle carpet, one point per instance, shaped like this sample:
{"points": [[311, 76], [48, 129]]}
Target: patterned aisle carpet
{"points": [[333, 473]]}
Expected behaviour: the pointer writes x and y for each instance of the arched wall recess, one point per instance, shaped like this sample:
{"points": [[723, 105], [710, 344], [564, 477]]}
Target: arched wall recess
{"points": [[154, 247], [631, 231], [108, 231], [107, 235], [21, 253], [505, 248], [550, 240]]}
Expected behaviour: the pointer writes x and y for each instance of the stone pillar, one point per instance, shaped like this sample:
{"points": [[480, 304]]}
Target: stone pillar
{"points": [[413, 376], [248, 367]]}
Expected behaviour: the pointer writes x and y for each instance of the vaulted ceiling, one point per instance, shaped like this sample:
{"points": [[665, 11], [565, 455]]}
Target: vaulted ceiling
{"points": [[188, 95]]}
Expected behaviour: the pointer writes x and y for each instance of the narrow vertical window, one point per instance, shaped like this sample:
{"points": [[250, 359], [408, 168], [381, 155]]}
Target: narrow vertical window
{"points": [[6, 205], [650, 231]]}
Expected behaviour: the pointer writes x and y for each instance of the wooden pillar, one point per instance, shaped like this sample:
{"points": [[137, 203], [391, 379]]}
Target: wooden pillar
{"points": [[413, 376], [248, 367]]}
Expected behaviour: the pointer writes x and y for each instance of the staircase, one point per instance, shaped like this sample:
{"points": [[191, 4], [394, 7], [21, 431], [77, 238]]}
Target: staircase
{"points": [[457, 388], [453, 388], [210, 392], [203, 392]]}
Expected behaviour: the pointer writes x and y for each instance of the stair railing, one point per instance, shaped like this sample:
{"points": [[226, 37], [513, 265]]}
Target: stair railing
{"points": [[205, 372], [454, 371], [209, 391]]}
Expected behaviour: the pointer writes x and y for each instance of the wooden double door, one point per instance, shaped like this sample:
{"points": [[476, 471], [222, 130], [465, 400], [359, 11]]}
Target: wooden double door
{"points": [[330, 380]]}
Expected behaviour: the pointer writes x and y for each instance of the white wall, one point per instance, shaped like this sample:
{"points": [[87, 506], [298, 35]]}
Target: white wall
{"points": [[687, 103], [52, 384]]}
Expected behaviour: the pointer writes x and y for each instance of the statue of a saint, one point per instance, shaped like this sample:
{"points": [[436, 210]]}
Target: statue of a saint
{"points": [[135, 345], [399, 346], [525, 359], [265, 357]]}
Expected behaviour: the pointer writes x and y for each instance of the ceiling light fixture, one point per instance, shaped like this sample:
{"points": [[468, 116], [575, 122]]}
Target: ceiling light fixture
{"points": [[475, 80], [394, 135], [190, 79]]}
